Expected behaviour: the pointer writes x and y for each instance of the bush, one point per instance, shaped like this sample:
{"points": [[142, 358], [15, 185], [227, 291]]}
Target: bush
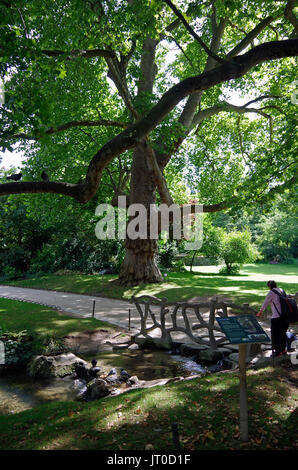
{"points": [[44, 260], [178, 266], [167, 250], [233, 270], [10, 273], [50, 345], [237, 249], [19, 347]]}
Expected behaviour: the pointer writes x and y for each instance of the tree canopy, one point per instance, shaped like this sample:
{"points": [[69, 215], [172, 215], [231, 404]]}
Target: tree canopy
{"points": [[136, 97]]}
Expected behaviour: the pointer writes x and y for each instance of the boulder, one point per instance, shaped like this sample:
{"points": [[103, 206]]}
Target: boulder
{"points": [[133, 381], [153, 343], [97, 388], [53, 366], [191, 348], [133, 347], [112, 377], [213, 355]]}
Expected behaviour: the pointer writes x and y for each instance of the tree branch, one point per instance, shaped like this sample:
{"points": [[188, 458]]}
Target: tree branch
{"points": [[290, 15], [253, 34], [85, 54], [129, 138], [193, 33], [228, 107], [66, 126], [121, 85]]}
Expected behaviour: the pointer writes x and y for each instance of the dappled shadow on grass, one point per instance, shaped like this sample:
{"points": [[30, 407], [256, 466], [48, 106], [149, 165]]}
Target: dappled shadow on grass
{"points": [[206, 410], [17, 316], [181, 286], [271, 269]]}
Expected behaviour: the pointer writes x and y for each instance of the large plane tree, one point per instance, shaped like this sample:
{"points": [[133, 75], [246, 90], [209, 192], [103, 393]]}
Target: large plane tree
{"points": [[143, 92]]}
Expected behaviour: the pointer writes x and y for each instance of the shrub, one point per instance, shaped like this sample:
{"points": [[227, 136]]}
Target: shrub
{"points": [[237, 249], [19, 347], [44, 260], [167, 250], [11, 273]]}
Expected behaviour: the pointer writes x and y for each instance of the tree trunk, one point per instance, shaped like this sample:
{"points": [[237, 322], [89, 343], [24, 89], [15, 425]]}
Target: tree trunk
{"points": [[139, 265]]}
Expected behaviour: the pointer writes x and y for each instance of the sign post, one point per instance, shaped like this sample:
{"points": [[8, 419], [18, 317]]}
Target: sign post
{"points": [[243, 393], [242, 330]]}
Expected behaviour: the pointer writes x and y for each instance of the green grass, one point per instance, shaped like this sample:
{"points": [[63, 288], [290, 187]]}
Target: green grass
{"points": [[206, 410], [249, 286], [17, 316]]}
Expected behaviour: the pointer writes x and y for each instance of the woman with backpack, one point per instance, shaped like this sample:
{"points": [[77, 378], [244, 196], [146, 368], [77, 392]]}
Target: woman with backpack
{"points": [[279, 324]]}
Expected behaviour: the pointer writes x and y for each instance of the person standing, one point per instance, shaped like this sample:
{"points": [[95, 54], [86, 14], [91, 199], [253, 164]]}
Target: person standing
{"points": [[279, 325]]}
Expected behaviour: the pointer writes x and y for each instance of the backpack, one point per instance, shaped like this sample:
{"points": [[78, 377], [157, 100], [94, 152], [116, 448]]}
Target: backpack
{"points": [[289, 309]]}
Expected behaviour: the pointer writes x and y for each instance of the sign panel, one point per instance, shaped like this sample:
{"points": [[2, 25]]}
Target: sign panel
{"points": [[243, 329]]}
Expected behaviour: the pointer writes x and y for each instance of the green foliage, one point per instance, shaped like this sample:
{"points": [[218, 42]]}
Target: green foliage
{"points": [[18, 346], [237, 249], [167, 250], [50, 345], [227, 157]]}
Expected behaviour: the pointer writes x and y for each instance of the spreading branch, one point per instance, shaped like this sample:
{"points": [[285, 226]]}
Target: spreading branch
{"points": [[129, 138], [249, 38], [224, 106], [64, 127], [193, 33], [85, 53]]}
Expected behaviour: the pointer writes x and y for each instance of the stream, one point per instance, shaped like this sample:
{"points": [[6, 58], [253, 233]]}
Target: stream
{"points": [[19, 392]]}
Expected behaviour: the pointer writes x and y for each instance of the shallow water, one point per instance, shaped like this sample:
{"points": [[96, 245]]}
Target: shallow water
{"points": [[19, 392], [146, 364]]}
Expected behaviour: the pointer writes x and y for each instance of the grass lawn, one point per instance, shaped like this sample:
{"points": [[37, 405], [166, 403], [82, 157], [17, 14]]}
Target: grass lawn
{"points": [[206, 410], [249, 286], [17, 316]]}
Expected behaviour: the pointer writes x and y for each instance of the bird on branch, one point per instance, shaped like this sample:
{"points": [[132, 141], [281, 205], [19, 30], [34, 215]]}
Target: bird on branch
{"points": [[44, 176], [15, 177]]}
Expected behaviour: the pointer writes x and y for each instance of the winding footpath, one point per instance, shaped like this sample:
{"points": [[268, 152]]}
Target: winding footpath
{"points": [[108, 310], [113, 311]]}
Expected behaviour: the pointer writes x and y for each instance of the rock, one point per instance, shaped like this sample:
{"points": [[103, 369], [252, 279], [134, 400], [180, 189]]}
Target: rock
{"points": [[253, 349], [232, 347], [82, 372], [133, 347], [213, 355], [191, 348], [261, 361], [132, 381], [234, 357], [112, 377], [153, 343], [124, 376], [162, 343], [53, 366], [97, 388], [119, 346], [227, 364], [149, 447], [80, 386]]}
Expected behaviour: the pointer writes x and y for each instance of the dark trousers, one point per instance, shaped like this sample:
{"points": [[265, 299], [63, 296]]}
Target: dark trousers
{"points": [[278, 334]]}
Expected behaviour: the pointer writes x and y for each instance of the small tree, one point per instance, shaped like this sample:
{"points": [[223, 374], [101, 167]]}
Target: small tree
{"points": [[237, 249]]}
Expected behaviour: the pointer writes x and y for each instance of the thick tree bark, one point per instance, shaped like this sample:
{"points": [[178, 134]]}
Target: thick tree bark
{"points": [[139, 265]]}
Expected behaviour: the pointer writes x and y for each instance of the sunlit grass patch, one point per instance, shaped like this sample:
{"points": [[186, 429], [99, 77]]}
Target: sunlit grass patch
{"points": [[17, 316]]}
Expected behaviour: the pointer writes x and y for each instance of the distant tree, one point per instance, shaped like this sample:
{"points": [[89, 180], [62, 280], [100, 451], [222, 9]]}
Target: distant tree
{"points": [[237, 249], [279, 236]]}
